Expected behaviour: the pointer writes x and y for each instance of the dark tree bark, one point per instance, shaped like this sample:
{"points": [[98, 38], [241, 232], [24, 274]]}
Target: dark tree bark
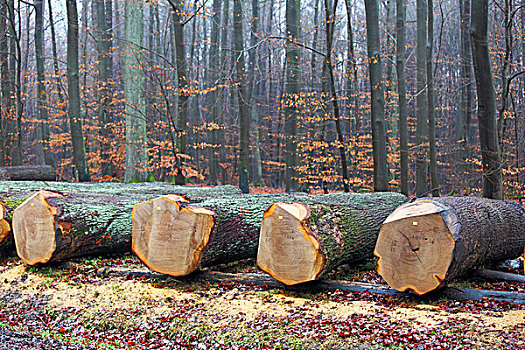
{"points": [[377, 96], [401, 89], [242, 98], [431, 109], [75, 121], [330, 26], [426, 243], [422, 102], [488, 129], [4, 64], [41, 89], [183, 89], [293, 90]]}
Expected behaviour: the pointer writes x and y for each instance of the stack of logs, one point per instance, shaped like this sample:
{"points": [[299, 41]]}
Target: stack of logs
{"points": [[295, 238]]}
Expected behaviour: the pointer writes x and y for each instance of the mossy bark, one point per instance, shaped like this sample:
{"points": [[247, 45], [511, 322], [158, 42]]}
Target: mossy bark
{"points": [[28, 173], [238, 223], [51, 227], [7, 242], [144, 190], [300, 245]]}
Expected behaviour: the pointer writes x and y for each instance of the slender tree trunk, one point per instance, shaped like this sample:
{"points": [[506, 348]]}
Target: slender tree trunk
{"points": [[330, 25], [183, 87], [103, 48], [431, 108], [401, 89], [4, 66], [221, 135], [41, 90], [242, 96], [351, 72], [466, 81], [293, 89], [75, 121], [59, 86], [488, 128], [377, 96], [136, 144], [213, 75], [422, 101], [255, 93]]}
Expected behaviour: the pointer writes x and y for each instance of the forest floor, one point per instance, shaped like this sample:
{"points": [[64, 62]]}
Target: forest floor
{"points": [[113, 304]]}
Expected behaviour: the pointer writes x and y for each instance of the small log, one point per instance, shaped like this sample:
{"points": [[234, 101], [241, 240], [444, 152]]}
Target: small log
{"points": [[50, 226], [28, 173], [6, 237], [169, 236], [301, 242], [426, 243], [499, 276]]}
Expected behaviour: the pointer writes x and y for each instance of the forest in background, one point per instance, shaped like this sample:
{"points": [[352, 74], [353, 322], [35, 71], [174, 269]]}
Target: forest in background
{"points": [[270, 93]]}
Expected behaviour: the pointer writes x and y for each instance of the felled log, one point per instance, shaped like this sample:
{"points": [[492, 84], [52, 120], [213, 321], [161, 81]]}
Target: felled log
{"points": [[142, 191], [499, 276], [50, 226], [28, 173], [168, 236], [6, 237], [424, 244], [301, 241]]}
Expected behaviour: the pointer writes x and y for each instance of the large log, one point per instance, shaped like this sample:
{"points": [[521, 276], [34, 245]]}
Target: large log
{"points": [[424, 244], [300, 242], [142, 191], [50, 226], [28, 173]]}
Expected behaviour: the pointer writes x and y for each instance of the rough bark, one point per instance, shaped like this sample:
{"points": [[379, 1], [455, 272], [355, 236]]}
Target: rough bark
{"points": [[242, 99], [41, 89], [183, 88], [402, 93], [4, 63], [75, 121], [488, 130], [49, 226], [421, 99], [136, 144], [7, 245], [377, 96], [28, 173], [425, 244], [293, 89], [433, 168], [300, 241]]}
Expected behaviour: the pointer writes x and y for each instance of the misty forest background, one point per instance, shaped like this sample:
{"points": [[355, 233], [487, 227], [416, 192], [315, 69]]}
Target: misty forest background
{"points": [[303, 95]]}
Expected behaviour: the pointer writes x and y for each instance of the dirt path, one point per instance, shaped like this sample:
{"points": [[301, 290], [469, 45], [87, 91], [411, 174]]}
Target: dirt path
{"points": [[79, 306]]}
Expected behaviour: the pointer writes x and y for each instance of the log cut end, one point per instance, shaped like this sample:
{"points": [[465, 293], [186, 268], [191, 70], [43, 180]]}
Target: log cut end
{"points": [[35, 229], [169, 236], [288, 251], [415, 246]]}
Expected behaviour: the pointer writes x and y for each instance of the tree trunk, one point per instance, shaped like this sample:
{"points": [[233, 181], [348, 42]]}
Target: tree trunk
{"points": [[4, 64], [136, 144], [330, 26], [41, 90], [293, 90], [488, 130], [49, 226], [422, 101], [425, 244], [103, 48], [402, 93], [431, 109], [377, 96], [183, 89], [242, 98], [29, 173], [75, 121], [302, 240]]}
